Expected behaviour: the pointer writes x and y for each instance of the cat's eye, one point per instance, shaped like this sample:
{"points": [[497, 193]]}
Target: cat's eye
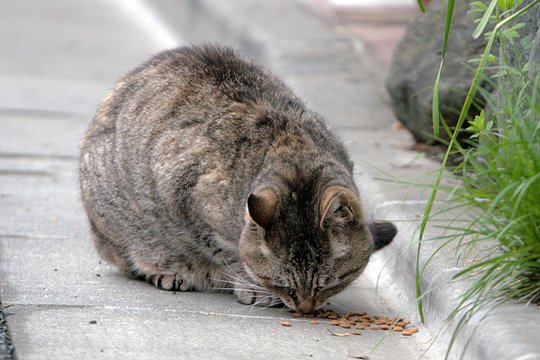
{"points": [[292, 293]]}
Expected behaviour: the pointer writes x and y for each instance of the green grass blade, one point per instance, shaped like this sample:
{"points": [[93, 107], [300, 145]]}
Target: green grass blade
{"points": [[447, 25], [484, 20], [435, 119], [435, 103], [421, 6], [435, 113]]}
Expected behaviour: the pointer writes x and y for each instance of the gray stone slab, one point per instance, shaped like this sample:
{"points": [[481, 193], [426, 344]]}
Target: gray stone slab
{"points": [[124, 333], [85, 40], [47, 97], [40, 197], [343, 104], [22, 135]]}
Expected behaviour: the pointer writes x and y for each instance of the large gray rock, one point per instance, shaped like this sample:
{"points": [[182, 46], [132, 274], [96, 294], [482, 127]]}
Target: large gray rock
{"points": [[516, 53], [525, 49], [416, 62]]}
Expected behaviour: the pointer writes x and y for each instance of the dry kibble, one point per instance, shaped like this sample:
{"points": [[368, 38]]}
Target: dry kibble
{"points": [[354, 314], [345, 324], [397, 125], [357, 321], [331, 315]]}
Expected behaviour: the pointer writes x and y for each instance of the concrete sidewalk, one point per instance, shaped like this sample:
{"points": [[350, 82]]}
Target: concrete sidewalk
{"points": [[61, 301]]}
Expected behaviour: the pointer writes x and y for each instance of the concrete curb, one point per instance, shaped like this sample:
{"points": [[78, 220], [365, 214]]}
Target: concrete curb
{"points": [[286, 34], [7, 351]]}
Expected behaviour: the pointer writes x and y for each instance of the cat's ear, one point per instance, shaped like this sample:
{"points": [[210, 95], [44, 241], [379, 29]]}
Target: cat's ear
{"points": [[262, 207], [339, 206], [383, 233]]}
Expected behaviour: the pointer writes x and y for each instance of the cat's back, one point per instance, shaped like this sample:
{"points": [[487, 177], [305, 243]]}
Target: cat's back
{"points": [[198, 96], [200, 119], [189, 84]]}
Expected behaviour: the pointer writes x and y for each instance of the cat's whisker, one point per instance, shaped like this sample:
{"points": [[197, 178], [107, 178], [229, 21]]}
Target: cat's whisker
{"points": [[239, 279], [274, 302], [258, 302], [246, 286], [222, 289]]}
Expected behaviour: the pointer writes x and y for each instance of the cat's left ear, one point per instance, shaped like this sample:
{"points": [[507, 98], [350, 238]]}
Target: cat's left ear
{"points": [[262, 207]]}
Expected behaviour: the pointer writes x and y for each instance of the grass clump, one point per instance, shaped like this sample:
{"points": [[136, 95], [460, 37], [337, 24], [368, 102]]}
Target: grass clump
{"points": [[498, 231], [501, 183]]}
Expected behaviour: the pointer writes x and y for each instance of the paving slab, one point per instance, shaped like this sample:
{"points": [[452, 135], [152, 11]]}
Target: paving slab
{"points": [[315, 72], [85, 40], [45, 97], [63, 302], [118, 333], [52, 283]]}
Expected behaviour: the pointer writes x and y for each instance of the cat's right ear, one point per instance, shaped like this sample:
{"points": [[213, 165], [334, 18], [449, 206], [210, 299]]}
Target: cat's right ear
{"points": [[262, 207], [339, 206]]}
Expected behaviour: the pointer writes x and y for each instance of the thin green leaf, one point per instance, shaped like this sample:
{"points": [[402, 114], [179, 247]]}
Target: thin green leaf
{"points": [[447, 25], [484, 20], [421, 6], [478, 6], [435, 113], [435, 102]]}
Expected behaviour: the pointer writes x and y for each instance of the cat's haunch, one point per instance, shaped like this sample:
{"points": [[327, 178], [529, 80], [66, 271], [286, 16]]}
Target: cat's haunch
{"points": [[203, 171]]}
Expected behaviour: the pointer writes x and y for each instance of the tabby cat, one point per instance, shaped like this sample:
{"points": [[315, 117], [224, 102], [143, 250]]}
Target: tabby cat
{"points": [[202, 171]]}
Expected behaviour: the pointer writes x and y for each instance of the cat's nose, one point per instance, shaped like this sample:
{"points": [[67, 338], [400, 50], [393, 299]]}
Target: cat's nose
{"points": [[306, 306]]}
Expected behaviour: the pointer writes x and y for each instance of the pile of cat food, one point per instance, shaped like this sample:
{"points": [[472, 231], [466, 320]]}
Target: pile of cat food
{"points": [[356, 321]]}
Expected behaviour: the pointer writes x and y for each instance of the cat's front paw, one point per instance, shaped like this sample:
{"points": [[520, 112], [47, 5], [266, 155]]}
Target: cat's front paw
{"points": [[169, 282], [257, 297]]}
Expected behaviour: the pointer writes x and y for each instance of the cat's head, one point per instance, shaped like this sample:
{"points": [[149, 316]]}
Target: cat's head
{"points": [[306, 248]]}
